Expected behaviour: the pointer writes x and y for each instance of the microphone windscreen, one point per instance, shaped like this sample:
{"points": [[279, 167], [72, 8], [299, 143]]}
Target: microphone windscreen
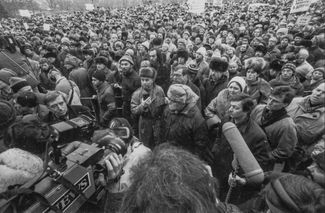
{"points": [[253, 172]]}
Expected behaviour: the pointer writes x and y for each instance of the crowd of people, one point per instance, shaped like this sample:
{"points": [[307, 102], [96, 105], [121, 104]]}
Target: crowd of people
{"points": [[173, 78]]}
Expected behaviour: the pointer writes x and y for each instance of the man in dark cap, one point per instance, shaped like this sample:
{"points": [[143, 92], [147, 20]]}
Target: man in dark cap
{"points": [[105, 96]]}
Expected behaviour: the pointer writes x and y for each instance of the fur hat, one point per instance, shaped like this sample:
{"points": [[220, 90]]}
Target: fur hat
{"points": [[27, 99], [290, 66], [17, 83], [261, 48], [240, 81], [147, 72], [101, 60], [177, 93], [50, 55], [127, 58], [218, 64], [99, 75], [7, 114], [119, 44]]}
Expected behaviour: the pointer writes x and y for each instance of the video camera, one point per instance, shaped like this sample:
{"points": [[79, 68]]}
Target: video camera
{"points": [[67, 188]]}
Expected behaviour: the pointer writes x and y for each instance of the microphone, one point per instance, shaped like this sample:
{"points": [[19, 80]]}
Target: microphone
{"points": [[253, 172]]}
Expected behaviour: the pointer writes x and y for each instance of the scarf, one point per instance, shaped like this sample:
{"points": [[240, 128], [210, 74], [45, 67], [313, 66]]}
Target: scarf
{"points": [[269, 117]]}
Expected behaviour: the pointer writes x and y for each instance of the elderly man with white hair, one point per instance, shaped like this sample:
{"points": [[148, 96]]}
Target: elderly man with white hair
{"points": [[303, 67]]}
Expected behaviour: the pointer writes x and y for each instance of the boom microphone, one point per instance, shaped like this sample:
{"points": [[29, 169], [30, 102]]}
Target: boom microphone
{"points": [[253, 172]]}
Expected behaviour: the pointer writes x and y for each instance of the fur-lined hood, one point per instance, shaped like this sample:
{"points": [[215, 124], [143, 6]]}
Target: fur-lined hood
{"points": [[17, 167]]}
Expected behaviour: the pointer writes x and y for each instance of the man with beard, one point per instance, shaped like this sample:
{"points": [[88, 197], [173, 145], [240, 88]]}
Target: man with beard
{"points": [[148, 103], [45, 81], [105, 95], [163, 72]]}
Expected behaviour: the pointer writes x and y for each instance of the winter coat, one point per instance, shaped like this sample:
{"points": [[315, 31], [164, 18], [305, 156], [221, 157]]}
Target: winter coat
{"points": [[150, 117], [163, 75], [69, 88], [309, 120], [258, 90], [204, 70], [212, 89], [219, 106], [282, 135], [136, 151], [188, 128], [106, 100], [18, 167], [81, 78]]}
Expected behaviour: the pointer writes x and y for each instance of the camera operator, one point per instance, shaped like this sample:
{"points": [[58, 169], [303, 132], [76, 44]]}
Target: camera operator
{"points": [[119, 168], [61, 111]]}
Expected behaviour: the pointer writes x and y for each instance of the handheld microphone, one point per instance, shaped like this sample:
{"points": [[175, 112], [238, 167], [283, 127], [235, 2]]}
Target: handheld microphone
{"points": [[253, 172]]}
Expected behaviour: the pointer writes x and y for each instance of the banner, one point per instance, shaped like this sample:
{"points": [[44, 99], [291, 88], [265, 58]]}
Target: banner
{"points": [[89, 7], [196, 7], [24, 13], [303, 20], [218, 3], [300, 6], [26, 26], [46, 27]]}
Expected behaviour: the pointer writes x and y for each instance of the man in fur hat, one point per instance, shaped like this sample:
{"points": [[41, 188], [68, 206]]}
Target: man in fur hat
{"points": [[217, 80], [185, 125], [148, 103]]}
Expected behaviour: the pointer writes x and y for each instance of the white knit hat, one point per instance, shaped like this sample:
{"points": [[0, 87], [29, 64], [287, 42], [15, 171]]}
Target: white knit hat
{"points": [[201, 51], [240, 82]]}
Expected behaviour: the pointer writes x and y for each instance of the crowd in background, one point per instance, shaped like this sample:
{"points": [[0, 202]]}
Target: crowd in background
{"points": [[174, 77]]}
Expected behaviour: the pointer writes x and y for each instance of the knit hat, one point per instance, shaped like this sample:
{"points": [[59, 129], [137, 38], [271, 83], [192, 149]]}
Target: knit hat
{"points": [[193, 68], [99, 75], [202, 51], [145, 44], [290, 66], [127, 58], [147, 72], [282, 30], [177, 93], [240, 81], [218, 64], [17, 83], [7, 114], [320, 69]]}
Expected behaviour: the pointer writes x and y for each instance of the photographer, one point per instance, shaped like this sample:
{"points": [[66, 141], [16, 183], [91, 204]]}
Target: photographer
{"points": [[119, 168], [61, 111]]}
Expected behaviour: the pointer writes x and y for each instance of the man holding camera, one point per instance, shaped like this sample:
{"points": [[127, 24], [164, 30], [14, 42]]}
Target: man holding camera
{"points": [[61, 111], [118, 178]]}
